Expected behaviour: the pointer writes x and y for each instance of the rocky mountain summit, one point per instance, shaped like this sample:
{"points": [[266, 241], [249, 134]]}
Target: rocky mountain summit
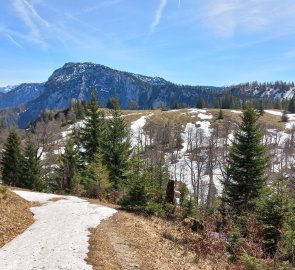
{"points": [[75, 80]]}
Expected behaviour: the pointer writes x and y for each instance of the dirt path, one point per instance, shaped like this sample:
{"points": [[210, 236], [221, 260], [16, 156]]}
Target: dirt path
{"points": [[127, 241]]}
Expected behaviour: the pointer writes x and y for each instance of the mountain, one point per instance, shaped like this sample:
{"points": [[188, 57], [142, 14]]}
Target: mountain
{"points": [[20, 94], [276, 90], [7, 88], [75, 80]]}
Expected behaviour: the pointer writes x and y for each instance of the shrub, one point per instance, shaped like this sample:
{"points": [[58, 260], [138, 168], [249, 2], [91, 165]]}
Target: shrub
{"points": [[250, 262]]}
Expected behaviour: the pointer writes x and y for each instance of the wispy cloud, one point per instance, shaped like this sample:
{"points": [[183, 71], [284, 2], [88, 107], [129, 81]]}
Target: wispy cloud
{"points": [[158, 16], [228, 17], [32, 20], [13, 41]]}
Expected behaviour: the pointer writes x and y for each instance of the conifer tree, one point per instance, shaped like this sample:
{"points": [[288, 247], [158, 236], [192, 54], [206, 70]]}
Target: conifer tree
{"points": [[291, 105], [261, 109], [12, 159], [274, 211], [246, 166], [113, 103], [93, 133], [31, 168], [220, 115], [96, 178], [117, 148], [67, 171]]}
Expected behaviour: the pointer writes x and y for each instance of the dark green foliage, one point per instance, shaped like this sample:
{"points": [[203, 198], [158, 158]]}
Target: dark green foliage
{"points": [[12, 160], [117, 148], [200, 104], [145, 187], [278, 104], [291, 105], [175, 105], [274, 212], [246, 166], [113, 103], [31, 168], [93, 133], [261, 108], [220, 115], [96, 179], [67, 175]]}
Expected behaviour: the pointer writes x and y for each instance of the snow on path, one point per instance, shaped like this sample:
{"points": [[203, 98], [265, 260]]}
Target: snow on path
{"points": [[58, 239]]}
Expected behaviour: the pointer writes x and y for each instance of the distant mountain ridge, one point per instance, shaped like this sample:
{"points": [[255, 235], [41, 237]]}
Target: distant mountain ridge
{"points": [[75, 80]]}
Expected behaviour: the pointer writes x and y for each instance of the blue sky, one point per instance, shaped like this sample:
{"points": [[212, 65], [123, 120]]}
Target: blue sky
{"points": [[212, 42]]}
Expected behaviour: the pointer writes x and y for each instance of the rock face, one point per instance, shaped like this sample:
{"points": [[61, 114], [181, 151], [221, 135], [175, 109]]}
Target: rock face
{"points": [[75, 80], [20, 94]]}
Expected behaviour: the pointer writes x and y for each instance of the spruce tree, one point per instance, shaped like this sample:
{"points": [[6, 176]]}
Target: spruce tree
{"points": [[220, 115], [261, 109], [274, 212], [31, 169], [113, 103], [117, 148], [96, 178], [67, 174], [12, 160], [246, 166], [291, 105], [93, 133]]}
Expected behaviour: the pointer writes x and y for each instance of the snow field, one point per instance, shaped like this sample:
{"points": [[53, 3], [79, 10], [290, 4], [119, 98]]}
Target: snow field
{"points": [[58, 239]]}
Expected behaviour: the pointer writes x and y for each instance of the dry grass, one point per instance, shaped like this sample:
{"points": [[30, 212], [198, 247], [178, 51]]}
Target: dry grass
{"points": [[131, 241], [15, 216]]}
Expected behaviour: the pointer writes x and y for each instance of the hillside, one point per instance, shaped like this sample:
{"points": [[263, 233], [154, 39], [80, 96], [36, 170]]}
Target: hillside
{"points": [[155, 130]]}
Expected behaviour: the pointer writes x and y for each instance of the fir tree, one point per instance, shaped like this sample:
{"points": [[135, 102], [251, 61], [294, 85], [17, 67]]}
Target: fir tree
{"points": [[93, 133], [246, 166], [200, 104], [113, 103], [96, 178], [220, 115], [291, 105], [117, 148], [274, 212], [31, 168], [261, 109], [12, 160], [67, 172]]}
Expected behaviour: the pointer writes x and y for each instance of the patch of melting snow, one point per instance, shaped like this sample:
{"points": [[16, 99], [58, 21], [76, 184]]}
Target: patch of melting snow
{"points": [[58, 239], [205, 116], [136, 128], [274, 112], [235, 111]]}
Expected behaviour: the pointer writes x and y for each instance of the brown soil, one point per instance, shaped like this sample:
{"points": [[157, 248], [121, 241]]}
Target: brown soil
{"points": [[15, 216], [129, 241]]}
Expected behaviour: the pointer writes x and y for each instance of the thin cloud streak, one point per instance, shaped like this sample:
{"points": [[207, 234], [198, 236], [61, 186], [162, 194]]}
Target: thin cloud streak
{"points": [[32, 20], [13, 41], [228, 17], [158, 16]]}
